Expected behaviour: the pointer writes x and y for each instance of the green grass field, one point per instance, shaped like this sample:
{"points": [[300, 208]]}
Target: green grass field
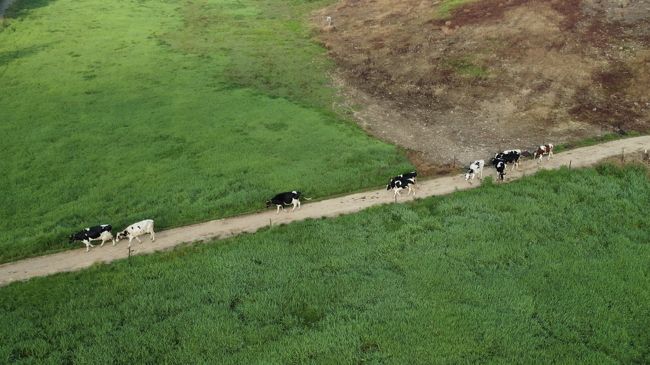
{"points": [[179, 111], [553, 268]]}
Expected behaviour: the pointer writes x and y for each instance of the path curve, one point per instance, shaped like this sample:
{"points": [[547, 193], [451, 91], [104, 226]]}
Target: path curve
{"points": [[218, 229]]}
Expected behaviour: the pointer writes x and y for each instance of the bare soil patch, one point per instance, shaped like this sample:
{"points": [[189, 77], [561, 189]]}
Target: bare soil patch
{"points": [[497, 74]]}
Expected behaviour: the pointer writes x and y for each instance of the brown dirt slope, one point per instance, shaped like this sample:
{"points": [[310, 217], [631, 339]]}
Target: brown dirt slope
{"points": [[495, 74]]}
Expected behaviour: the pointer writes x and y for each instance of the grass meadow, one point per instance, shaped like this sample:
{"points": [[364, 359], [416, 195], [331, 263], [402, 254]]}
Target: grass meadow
{"points": [[179, 111], [553, 268]]}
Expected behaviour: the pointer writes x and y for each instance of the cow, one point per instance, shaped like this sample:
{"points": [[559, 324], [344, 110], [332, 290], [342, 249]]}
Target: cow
{"points": [[500, 165], [399, 183], [546, 149], [287, 198], [508, 156], [475, 167], [137, 229], [95, 233], [409, 175]]}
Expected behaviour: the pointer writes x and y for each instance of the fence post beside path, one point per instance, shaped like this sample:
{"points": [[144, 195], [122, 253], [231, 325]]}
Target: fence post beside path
{"points": [[623, 154]]}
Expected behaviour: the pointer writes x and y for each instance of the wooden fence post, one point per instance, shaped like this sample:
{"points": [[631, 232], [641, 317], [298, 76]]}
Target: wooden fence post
{"points": [[623, 155]]}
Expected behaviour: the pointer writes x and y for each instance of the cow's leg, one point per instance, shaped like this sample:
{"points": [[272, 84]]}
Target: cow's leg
{"points": [[102, 245], [153, 236], [295, 203], [550, 154], [113, 241], [278, 209], [138, 238]]}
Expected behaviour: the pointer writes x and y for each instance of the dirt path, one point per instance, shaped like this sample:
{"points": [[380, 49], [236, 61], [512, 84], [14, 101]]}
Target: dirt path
{"points": [[78, 259]]}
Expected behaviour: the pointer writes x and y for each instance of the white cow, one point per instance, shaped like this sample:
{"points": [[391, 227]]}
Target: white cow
{"points": [[475, 168], [137, 229]]}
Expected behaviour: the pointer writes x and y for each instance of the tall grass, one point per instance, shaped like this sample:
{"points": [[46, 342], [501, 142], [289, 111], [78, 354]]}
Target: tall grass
{"points": [[179, 111], [549, 269]]}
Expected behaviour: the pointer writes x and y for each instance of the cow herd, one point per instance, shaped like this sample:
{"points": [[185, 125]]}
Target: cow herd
{"points": [[501, 161], [398, 183]]}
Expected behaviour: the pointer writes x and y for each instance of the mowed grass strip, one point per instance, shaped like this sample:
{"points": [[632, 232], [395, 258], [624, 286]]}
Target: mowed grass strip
{"points": [[553, 268], [179, 111]]}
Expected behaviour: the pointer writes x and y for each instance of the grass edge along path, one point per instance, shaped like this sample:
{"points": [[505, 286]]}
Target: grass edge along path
{"points": [[78, 259]]}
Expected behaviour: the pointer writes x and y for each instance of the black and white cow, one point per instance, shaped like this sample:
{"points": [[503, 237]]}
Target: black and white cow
{"points": [[138, 229], [500, 165], [95, 233], [409, 175], [399, 183], [508, 156], [475, 167], [287, 198], [546, 149]]}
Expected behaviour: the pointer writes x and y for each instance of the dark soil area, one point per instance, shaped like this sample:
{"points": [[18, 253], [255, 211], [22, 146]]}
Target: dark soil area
{"points": [[495, 74]]}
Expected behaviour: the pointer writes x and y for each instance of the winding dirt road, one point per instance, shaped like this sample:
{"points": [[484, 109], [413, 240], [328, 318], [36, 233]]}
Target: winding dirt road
{"points": [[222, 228]]}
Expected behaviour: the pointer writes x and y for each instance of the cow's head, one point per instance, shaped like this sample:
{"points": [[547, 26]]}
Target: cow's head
{"points": [[120, 235], [526, 153], [269, 203], [71, 238], [469, 173]]}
